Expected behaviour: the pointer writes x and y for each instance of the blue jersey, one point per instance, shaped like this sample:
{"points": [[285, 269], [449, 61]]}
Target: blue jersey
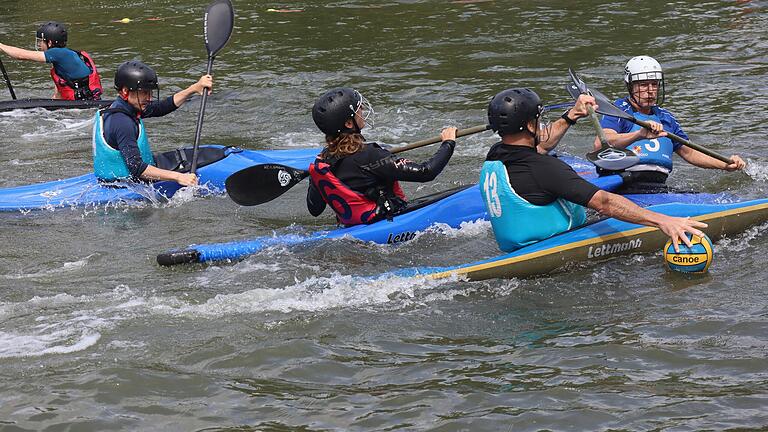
{"points": [[67, 63], [657, 151]]}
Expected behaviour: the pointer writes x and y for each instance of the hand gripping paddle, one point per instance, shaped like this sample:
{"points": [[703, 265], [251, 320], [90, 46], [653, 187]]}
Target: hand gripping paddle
{"points": [[606, 157]]}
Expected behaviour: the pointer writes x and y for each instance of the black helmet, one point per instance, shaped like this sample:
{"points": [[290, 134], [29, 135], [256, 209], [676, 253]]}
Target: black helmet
{"points": [[334, 108], [54, 32], [510, 110], [135, 75]]}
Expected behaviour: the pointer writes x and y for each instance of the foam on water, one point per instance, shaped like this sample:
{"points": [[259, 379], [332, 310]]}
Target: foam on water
{"points": [[49, 125], [314, 295], [757, 170], [188, 194], [66, 267], [741, 242], [302, 139], [62, 323], [469, 229]]}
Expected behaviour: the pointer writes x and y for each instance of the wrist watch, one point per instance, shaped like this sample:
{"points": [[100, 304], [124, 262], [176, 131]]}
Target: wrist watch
{"points": [[568, 119]]}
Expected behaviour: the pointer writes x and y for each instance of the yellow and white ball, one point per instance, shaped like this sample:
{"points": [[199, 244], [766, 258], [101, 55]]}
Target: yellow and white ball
{"points": [[695, 259]]}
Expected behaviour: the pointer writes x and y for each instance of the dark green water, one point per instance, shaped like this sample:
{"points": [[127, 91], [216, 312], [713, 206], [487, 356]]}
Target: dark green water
{"points": [[95, 336]]}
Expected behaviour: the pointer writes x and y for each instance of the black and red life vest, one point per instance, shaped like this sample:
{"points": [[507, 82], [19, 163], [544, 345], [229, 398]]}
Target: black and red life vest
{"points": [[82, 89], [351, 207]]}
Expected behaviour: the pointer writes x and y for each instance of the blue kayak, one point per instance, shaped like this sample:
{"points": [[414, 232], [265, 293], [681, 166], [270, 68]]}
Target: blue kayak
{"points": [[87, 190], [451, 208], [607, 238]]}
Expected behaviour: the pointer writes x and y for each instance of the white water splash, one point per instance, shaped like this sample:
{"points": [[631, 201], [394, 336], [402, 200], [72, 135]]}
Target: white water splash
{"points": [[470, 229], [757, 170], [742, 241], [189, 194], [62, 323], [315, 294], [66, 267]]}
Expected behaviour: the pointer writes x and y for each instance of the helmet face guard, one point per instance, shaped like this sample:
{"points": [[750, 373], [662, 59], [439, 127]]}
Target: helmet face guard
{"points": [[136, 76], [334, 108], [645, 81], [367, 114]]}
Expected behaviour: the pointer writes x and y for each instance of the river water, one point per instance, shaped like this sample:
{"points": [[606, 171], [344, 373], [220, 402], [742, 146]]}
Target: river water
{"points": [[94, 335]]}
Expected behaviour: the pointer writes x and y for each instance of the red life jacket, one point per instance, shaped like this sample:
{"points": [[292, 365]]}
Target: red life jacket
{"points": [[351, 207], [80, 89]]}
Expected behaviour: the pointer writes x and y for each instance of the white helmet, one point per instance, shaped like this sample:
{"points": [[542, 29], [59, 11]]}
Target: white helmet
{"points": [[643, 68]]}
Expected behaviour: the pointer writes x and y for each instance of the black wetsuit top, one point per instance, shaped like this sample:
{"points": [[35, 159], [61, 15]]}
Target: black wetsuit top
{"points": [[373, 167], [541, 179], [121, 129]]}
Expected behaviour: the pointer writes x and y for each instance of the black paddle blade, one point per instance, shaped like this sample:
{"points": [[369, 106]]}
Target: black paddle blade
{"points": [[580, 85], [613, 159], [262, 183], [572, 90], [606, 107], [218, 21]]}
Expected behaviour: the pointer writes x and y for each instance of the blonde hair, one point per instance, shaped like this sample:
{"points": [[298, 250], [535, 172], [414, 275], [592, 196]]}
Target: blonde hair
{"points": [[344, 144]]}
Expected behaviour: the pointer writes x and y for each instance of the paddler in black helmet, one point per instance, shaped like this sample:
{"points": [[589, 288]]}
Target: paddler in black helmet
{"points": [[74, 73], [359, 179], [120, 146], [531, 196]]}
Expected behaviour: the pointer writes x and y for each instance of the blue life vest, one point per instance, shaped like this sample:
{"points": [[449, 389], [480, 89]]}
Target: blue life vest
{"points": [[515, 221], [657, 151], [108, 163]]}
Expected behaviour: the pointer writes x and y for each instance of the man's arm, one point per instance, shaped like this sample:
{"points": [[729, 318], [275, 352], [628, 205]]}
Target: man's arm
{"points": [[616, 206], [22, 54], [556, 130], [622, 140], [155, 173], [205, 81], [695, 157]]}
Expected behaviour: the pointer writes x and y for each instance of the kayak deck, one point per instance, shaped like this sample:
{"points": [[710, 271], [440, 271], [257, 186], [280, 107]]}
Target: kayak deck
{"points": [[52, 104], [603, 239], [87, 190], [463, 206]]}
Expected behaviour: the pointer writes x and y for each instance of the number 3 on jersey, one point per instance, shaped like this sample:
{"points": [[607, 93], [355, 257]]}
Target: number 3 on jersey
{"points": [[653, 145]]}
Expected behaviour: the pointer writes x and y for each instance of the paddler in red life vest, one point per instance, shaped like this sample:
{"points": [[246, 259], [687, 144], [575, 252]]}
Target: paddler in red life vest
{"points": [[121, 147], [359, 179], [74, 72], [644, 80]]}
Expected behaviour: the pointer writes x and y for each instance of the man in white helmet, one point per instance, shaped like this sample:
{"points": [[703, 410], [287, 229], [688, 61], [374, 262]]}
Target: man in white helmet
{"points": [[645, 84]]}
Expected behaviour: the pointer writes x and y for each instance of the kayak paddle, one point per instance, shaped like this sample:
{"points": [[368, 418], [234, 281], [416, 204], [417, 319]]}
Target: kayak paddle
{"points": [[263, 183], [606, 157], [218, 22], [7, 80], [606, 107]]}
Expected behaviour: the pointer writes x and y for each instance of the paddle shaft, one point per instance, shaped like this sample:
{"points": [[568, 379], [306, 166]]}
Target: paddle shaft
{"points": [[437, 139], [7, 80], [464, 132], [598, 128], [684, 141], [200, 116]]}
